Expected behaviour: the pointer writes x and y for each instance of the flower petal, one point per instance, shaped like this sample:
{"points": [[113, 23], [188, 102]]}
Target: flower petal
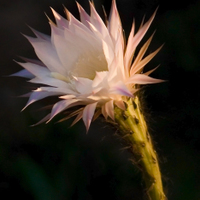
{"points": [[109, 108], [140, 55], [61, 106], [40, 94], [120, 104], [60, 21], [47, 54], [79, 116], [131, 46], [120, 89], [36, 70], [83, 85], [88, 113], [23, 73], [114, 25], [141, 64], [143, 79]]}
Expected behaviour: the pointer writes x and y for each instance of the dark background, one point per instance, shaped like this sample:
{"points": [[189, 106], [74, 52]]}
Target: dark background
{"points": [[54, 161]]}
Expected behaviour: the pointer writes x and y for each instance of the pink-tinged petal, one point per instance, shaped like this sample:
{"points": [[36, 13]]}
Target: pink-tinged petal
{"points": [[67, 96], [83, 85], [37, 62], [61, 106], [47, 54], [38, 95], [23, 73], [79, 116], [73, 21], [83, 15], [60, 21], [34, 69], [136, 40], [114, 25], [138, 68], [120, 104], [129, 51], [96, 20], [40, 35], [42, 120], [113, 70], [108, 52], [109, 108], [83, 34], [64, 49], [99, 78], [119, 54], [96, 114], [58, 89], [104, 113], [69, 114], [140, 55], [54, 83], [120, 89], [143, 79], [150, 71], [88, 113]]}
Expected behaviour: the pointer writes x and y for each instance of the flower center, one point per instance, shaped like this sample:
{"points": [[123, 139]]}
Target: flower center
{"points": [[88, 64]]}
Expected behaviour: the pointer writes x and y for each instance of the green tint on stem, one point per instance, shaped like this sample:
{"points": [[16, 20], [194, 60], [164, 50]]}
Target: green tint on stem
{"points": [[134, 129]]}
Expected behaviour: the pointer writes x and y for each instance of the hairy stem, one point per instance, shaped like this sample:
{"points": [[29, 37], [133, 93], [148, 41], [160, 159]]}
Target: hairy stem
{"points": [[134, 130]]}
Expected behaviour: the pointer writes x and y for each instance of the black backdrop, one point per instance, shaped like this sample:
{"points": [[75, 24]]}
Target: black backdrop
{"points": [[56, 162]]}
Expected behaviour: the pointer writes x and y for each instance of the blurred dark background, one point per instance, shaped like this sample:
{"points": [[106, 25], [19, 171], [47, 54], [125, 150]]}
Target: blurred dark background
{"points": [[54, 161]]}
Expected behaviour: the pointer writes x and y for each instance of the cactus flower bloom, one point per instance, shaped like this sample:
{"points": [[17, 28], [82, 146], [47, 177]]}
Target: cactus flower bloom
{"points": [[86, 63]]}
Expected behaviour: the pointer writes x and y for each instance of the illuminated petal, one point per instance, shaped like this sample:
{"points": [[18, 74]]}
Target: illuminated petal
{"points": [[121, 89], [88, 113], [143, 79], [109, 109], [61, 106]]}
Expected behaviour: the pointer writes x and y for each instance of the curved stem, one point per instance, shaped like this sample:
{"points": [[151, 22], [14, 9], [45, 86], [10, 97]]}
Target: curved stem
{"points": [[134, 130]]}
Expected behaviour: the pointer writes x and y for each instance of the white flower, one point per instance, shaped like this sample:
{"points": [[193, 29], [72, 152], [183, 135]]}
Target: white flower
{"points": [[87, 63]]}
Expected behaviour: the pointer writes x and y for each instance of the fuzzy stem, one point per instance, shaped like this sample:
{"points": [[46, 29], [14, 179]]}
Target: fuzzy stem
{"points": [[134, 130]]}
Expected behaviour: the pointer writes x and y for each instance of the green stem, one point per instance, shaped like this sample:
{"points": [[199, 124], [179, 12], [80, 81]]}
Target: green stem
{"points": [[134, 130]]}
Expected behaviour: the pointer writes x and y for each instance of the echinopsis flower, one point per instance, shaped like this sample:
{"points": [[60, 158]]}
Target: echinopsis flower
{"points": [[87, 63]]}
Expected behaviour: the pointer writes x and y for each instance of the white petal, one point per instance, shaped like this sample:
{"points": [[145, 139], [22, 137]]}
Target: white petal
{"points": [[47, 54], [83, 85], [88, 113], [140, 55], [96, 20], [103, 111], [60, 21], [61, 106], [83, 15], [54, 83], [143, 79], [109, 108], [108, 52], [99, 79], [120, 104], [142, 63], [36, 70], [39, 94], [79, 116], [40, 35], [23, 73], [114, 25], [120, 89], [131, 46]]}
